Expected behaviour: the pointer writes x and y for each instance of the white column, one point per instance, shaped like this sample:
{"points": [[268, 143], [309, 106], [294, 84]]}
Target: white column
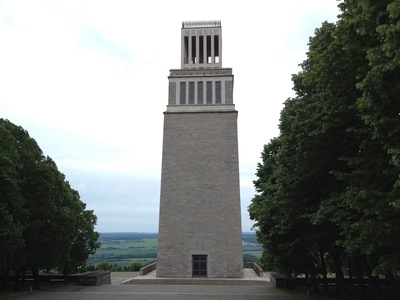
{"points": [[212, 50], [213, 90], [195, 91], [182, 50], [220, 48], [178, 92], [222, 89], [204, 92], [187, 93], [197, 50], [190, 49], [205, 49]]}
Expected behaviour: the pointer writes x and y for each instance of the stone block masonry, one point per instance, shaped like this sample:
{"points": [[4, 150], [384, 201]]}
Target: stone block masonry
{"points": [[200, 197]]}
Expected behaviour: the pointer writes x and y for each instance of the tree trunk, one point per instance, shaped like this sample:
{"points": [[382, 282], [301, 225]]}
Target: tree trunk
{"points": [[392, 286], [375, 281], [17, 280], [35, 274], [349, 266], [66, 269], [314, 281], [3, 277], [340, 283], [23, 277], [324, 272], [360, 278], [307, 276]]}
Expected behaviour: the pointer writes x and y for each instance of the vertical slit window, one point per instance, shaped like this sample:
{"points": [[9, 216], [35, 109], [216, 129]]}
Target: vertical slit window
{"points": [[191, 92], [209, 49], [209, 92], [200, 92], [216, 49], [201, 49], [182, 96], [186, 50], [218, 92], [193, 49]]}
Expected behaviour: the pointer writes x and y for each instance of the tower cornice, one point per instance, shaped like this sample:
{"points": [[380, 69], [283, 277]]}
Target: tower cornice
{"points": [[200, 72]]}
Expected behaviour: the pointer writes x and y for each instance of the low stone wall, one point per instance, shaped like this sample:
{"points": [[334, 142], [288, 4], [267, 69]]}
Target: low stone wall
{"points": [[259, 271], [147, 269], [95, 278], [248, 265], [88, 278], [279, 281], [255, 267]]}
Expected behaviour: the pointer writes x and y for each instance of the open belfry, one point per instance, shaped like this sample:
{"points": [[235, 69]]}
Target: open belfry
{"points": [[200, 223]]}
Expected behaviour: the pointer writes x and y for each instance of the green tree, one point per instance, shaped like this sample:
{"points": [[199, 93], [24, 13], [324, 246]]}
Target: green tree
{"points": [[45, 222], [310, 143], [136, 266], [379, 104], [104, 265], [11, 203], [85, 239], [371, 194], [336, 170], [331, 131], [30, 158]]}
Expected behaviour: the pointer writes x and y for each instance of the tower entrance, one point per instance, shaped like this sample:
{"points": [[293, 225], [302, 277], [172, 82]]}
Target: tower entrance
{"points": [[199, 265]]}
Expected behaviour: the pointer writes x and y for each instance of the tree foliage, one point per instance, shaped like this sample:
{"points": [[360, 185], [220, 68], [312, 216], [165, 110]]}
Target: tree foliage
{"points": [[44, 224], [328, 185]]}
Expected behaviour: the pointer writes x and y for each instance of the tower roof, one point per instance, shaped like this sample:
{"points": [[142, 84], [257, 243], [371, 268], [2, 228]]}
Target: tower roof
{"points": [[200, 24]]}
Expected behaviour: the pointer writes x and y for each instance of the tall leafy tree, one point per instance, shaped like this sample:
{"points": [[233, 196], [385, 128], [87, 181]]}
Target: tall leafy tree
{"points": [[337, 168], [380, 105], [11, 203], [82, 238], [85, 240], [45, 221], [372, 193], [30, 157]]}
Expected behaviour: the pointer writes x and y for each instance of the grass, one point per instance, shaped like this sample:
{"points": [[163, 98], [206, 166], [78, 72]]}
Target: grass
{"points": [[124, 249]]}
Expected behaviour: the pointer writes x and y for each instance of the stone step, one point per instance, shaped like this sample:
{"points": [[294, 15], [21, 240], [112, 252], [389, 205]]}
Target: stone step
{"points": [[196, 281]]}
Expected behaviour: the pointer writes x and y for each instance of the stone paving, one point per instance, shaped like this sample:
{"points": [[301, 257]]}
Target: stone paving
{"points": [[154, 291]]}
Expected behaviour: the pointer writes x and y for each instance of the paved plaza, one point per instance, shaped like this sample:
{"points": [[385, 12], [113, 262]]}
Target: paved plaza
{"points": [[154, 291]]}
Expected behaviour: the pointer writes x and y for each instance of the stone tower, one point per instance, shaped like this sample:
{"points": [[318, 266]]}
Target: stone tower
{"points": [[200, 223]]}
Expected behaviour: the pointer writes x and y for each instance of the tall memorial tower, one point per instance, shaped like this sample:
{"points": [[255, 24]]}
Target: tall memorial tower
{"points": [[200, 223]]}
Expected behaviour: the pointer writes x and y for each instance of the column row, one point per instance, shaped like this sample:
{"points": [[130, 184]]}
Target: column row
{"points": [[200, 92], [202, 49]]}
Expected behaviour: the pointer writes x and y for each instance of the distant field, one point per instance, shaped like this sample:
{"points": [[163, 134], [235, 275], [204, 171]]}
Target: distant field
{"points": [[252, 250], [124, 249]]}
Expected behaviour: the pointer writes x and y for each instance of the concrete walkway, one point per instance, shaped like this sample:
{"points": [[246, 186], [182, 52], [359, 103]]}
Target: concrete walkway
{"points": [[154, 291], [119, 277]]}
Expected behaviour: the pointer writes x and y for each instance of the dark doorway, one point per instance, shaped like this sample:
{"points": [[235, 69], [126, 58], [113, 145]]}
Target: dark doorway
{"points": [[199, 265]]}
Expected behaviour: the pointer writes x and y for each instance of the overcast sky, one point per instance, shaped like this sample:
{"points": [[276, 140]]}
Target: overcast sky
{"points": [[88, 80]]}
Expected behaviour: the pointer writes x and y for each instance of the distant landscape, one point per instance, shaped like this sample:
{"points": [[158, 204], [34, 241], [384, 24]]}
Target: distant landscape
{"points": [[127, 248]]}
